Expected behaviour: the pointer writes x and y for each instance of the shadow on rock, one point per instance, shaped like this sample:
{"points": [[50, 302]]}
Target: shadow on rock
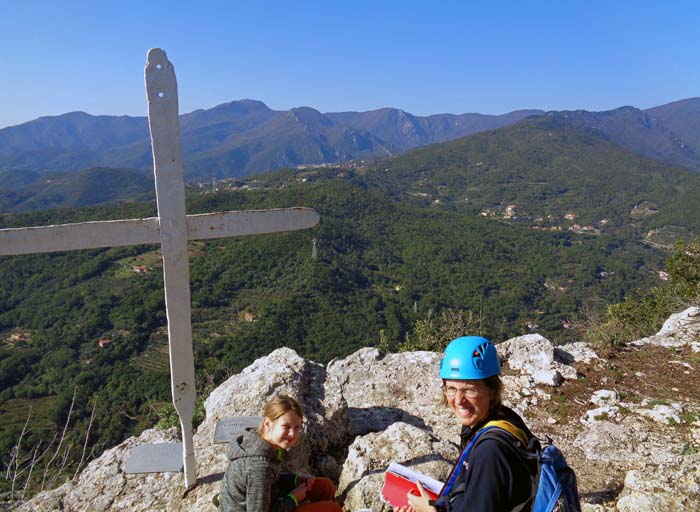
{"points": [[436, 457], [378, 419]]}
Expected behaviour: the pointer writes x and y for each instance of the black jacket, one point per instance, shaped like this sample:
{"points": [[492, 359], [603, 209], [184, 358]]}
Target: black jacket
{"points": [[495, 478]]}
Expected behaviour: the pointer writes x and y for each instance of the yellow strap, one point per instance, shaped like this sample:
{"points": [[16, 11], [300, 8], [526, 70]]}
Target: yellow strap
{"points": [[509, 427]]}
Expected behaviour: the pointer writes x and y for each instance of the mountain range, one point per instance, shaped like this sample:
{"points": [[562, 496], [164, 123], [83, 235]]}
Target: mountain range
{"points": [[232, 139], [246, 137]]}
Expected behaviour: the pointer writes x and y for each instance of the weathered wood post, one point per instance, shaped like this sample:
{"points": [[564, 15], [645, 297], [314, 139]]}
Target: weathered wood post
{"points": [[161, 91]]}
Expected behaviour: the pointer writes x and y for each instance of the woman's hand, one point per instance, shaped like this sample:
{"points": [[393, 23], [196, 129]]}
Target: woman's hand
{"points": [[299, 493], [309, 482], [417, 503], [306, 479]]}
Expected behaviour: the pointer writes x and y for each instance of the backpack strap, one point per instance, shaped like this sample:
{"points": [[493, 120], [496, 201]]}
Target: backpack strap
{"points": [[510, 428], [528, 450]]}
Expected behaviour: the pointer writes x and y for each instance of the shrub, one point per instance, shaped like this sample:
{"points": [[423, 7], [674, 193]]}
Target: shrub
{"points": [[169, 418], [643, 315], [435, 332]]}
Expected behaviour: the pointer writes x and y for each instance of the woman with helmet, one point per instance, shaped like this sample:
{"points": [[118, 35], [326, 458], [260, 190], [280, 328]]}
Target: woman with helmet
{"points": [[494, 476]]}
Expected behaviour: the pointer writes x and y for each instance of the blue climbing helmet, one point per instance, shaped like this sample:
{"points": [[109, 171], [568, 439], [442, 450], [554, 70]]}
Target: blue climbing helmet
{"points": [[469, 358]]}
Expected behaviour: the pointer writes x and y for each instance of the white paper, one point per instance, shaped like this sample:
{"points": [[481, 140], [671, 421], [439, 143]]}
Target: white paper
{"points": [[428, 482]]}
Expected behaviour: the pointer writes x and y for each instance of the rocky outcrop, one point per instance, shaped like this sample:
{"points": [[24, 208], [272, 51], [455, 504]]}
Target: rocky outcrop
{"points": [[363, 472], [665, 488], [369, 409], [679, 330], [103, 485], [245, 394], [382, 389], [534, 355]]}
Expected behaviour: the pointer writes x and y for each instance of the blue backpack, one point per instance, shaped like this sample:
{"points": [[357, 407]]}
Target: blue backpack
{"points": [[554, 486]]}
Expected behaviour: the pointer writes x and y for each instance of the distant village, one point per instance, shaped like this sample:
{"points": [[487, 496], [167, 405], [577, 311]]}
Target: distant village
{"points": [[544, 223], [509, 212], [249, 183]]}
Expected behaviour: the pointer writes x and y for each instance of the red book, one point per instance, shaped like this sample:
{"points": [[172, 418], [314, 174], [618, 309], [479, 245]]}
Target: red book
{"points": [[401, 480]]}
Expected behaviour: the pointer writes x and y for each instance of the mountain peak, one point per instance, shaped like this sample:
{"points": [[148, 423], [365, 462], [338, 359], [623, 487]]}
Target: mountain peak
{"points": [[310, 116], [244, 106]]}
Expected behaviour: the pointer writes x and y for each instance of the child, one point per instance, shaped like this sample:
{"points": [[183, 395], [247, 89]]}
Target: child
{"points": [[254, 482]]}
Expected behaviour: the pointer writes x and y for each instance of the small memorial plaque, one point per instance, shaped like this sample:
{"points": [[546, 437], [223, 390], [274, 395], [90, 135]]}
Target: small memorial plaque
{"points": [[228, 428], [155, 458]]}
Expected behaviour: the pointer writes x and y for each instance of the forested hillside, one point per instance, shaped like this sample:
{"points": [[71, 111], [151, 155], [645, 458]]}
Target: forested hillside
{"points": [[22, 192], [545, 168], [380, 265]]}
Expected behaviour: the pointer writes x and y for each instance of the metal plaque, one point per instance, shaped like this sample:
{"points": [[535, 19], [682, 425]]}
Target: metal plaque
{"points": [[228, 428], [155, 458]]}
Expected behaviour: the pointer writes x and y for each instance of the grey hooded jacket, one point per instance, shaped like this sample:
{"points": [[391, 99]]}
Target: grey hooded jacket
{"points": [[253, 481]]}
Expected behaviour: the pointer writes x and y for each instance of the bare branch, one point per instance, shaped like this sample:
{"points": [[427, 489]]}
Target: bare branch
{"points": [[128, 415], [19, 450], [31, 468], [87, 436], [60, 442]]}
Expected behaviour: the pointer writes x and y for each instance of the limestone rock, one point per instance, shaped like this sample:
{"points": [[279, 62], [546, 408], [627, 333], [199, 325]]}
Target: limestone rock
{"points": [[283, 371], [577, 352], [662, 413], [605, 412], [604, 397], [683, 324], [324, 430], [531, 350], [389, 405], [368, 457], [520, 392], [381, 389], [606, 442], [103, 486], [628, 444], [533, 354], [669, 487], [679, 330], [591, 507]]}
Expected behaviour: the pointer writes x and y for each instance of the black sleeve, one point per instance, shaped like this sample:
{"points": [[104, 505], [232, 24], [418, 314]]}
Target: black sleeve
{"points": [[496, 479], [286, 482]]}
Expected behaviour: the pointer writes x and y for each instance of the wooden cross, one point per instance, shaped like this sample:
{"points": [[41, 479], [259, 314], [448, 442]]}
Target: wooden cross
{"points": [[172, 229]]}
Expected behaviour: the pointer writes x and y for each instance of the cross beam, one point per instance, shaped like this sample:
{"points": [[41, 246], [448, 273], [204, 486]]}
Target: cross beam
{"points": [[172, 229], [117, 233]]}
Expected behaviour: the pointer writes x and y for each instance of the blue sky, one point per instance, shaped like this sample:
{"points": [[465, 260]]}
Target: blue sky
{"points": [[423, 57]]}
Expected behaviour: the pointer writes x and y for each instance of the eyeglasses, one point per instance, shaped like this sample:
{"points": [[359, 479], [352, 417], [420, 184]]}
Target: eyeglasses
{"points": [[469, 392]]}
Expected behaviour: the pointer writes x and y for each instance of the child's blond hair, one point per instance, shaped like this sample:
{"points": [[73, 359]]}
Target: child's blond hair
{"points": [[280, 405]]}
